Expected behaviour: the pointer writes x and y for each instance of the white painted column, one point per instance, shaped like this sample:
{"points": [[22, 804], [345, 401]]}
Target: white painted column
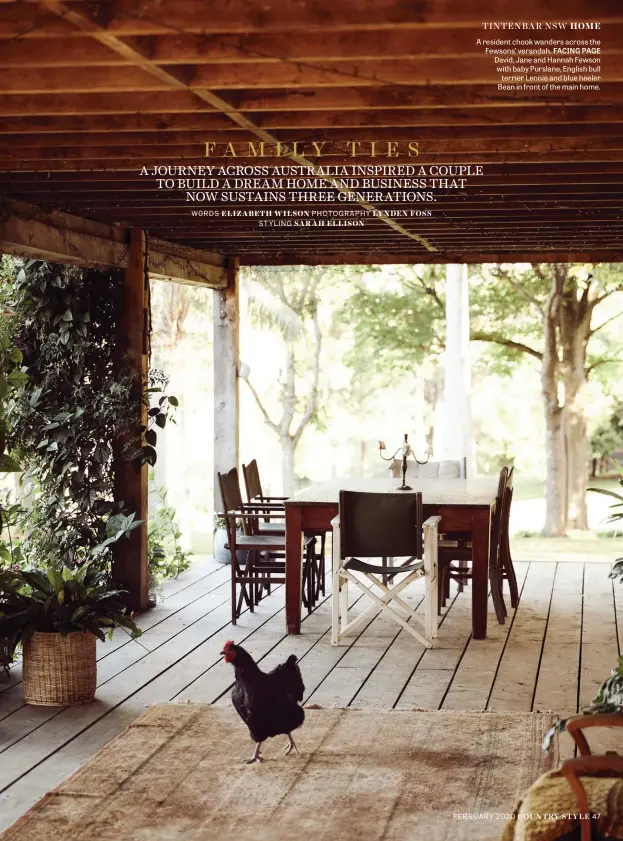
{"points": [[453, 428], [226, 361]]}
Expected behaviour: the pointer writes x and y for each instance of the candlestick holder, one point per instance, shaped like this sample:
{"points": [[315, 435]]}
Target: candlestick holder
{"points": [[405, 450]]}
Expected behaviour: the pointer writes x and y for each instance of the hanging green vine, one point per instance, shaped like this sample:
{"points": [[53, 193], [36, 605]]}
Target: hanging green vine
{"points": [[74, 413], [67, 419]]}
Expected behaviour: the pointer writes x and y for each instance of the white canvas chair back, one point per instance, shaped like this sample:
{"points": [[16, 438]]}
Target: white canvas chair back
{"points": [[448, 469], [384, 527]]}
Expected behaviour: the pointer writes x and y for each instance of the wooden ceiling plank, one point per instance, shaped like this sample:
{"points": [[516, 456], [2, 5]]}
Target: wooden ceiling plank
{"points": [[503, 120], [440, 72], [256, 104], [430, 96], [258, 48], [539, 170], [133, 104], [133, 17], [163, 153], [366, 73], [125, 78], [119, 165], [234, 134]]}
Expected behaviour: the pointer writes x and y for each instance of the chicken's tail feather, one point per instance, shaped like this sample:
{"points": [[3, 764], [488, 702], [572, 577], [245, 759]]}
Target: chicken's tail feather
{"points": [[289, 675]]}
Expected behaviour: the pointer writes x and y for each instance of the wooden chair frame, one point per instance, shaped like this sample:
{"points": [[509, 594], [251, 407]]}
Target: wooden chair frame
{"points": [[264, 562], [273, 504], [589, 765], [458, 550]]}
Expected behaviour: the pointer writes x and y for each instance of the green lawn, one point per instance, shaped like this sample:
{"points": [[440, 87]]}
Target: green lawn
{"points": [[580, 546], [531, 487]]}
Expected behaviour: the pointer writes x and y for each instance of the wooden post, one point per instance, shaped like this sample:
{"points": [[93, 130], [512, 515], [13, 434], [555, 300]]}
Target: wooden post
{"points": [[130, 565], [226, 360]]}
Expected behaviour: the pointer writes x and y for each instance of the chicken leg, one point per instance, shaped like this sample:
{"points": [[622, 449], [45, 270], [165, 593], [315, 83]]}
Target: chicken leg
{"points": [[256, 755], [291, 744]]}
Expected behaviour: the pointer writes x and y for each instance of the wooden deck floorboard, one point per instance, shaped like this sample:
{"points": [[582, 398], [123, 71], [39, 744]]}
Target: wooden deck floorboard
{"points": [[552, 653]]}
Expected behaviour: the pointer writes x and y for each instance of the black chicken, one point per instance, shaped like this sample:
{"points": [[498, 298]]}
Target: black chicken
{"points": [[269, 704]]}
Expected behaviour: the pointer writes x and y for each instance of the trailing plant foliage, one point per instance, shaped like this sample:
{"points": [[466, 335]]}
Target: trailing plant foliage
{"points": [[609, 435], [166, 557], [12, 378], [54, 601], [143, 450], [12, 516], [78, 407], [75, 406], [617, 514]]}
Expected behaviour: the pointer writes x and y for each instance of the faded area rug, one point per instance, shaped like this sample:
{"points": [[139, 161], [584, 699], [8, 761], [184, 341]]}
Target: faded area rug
{"points": [[178, 773]]}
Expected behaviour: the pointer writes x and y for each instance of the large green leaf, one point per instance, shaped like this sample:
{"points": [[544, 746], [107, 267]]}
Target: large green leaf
{"points": [[8, 464]]}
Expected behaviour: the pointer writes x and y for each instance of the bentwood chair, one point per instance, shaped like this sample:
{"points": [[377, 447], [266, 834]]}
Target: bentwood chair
{"points": [[582, 800], [263, 552], [455, 554], [387, 527], [274, 504]]}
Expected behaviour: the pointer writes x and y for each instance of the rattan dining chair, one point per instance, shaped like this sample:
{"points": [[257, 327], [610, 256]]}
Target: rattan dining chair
{"points": [[263, 551], [387, 527]]}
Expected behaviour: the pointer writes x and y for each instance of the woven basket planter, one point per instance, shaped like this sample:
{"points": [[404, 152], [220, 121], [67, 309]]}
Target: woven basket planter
{"points": [[58, 670]]}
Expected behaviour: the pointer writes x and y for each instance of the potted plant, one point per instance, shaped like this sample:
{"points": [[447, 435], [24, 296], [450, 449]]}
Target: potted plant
{"points": [[57, 616]]}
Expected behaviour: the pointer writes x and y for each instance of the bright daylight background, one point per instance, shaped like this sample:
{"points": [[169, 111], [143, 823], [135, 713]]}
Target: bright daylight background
{"points": [[357, 405]]}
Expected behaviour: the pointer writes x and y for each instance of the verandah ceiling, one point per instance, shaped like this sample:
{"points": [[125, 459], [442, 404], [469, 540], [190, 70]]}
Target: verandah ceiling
{"points": [[91, 92]]}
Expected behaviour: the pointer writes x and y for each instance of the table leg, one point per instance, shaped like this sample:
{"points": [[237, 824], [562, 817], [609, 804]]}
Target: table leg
{"points": [[481, 524], [294, 540]]}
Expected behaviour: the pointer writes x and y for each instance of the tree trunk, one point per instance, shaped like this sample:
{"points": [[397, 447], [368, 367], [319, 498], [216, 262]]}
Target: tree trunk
{"points": [[555, 484], [575, 320], [577, 468], [288, 476]]}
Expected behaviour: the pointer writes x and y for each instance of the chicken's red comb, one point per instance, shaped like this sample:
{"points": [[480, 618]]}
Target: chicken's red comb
{"points": [[229, 644]]}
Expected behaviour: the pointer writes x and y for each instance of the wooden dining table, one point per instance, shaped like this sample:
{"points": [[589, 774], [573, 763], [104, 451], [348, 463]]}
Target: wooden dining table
{"points": [[464, 505]]}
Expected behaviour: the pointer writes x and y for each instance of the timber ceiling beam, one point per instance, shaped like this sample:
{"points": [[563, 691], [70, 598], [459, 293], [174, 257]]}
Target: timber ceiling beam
{"points": [[319, 258], [39, 50], [26, 231]]}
